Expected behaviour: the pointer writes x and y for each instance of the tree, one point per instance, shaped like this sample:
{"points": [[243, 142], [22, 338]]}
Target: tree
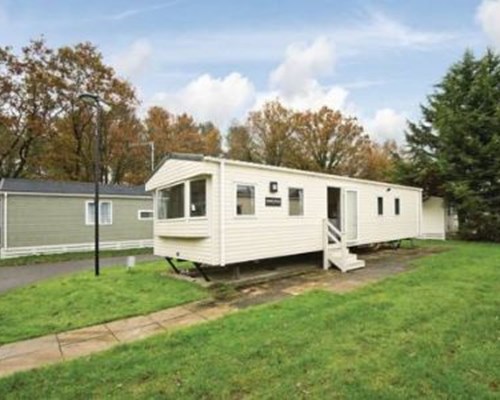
{"points": [[326, 141], [27, 107], [272, 129], [179, 133], [458, 142], [379, 161], [46, 130], [211, 139], [77, 70], [240, 144]]}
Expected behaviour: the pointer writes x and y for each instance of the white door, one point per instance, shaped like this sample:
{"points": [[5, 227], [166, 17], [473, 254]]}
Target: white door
{"points": [[351, 214]]}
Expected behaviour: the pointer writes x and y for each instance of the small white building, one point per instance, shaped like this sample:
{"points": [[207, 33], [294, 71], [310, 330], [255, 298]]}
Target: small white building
{"points": [[220, 212], [438, 219]]}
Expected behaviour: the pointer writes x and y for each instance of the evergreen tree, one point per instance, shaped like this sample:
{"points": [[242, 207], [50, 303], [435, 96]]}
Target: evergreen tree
{"points": [[455, 150]]}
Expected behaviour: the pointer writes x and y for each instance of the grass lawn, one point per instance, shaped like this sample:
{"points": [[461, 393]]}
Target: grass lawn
{"points": [[51, 258], [81, 299], [429, 333]]}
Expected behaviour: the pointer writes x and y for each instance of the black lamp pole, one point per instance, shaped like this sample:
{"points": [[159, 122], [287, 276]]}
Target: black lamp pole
{"points": [[95, 101], [97, 174]]}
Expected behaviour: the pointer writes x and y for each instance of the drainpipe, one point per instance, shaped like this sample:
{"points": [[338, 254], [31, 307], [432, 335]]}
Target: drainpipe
{"points": [[222, 225]]}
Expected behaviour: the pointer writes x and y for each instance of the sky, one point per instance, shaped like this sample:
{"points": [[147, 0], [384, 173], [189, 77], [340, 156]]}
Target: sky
{"points": [[219, 59]]}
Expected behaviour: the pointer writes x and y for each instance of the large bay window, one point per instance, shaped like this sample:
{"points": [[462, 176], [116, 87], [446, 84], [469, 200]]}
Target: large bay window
{"points": [[171, 202]]}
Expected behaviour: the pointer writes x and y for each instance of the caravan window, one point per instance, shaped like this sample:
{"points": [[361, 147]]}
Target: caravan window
{"points": [[245, 200], [380, 205], [105, 213], [295, 201], [397, 206], [198, 206], [171, 202]]}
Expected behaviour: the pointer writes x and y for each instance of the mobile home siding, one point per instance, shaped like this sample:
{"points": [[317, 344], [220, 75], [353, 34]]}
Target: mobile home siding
{"points": [[191, 238], [37, 220], [271, 232]]}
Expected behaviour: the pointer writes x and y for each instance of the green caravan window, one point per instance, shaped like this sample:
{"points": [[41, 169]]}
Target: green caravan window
{"points": [[171, 202], [245, 200], [198, 198], [295, 201]]}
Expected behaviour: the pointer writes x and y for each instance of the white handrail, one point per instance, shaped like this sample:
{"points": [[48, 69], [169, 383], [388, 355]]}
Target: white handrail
{"points": [[337, 236], [330, 231]]}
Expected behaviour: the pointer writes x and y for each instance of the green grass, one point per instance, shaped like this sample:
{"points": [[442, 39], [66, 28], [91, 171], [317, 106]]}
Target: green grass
{"points": [[429, 333], [81, 299], [51, 258]]}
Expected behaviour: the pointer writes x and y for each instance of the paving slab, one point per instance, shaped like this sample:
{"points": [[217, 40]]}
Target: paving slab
{"points": [[24, 347], [168, 314], [43, 356], [86, 347], [82, 334], [133, 333], [183, 322], [128, 323], [216, 311]]}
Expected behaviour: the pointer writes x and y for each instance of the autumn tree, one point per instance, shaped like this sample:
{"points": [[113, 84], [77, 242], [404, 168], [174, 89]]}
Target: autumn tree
{"points": [[77, 70], [27, 107], [239, 143], [211, 138], [271, 129], [46, 130], [180, 133], [379, 161], [327, 141]]}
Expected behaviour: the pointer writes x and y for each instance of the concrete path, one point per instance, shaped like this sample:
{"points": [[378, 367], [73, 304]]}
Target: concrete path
{"points": [[12, 277], [50, 349]]}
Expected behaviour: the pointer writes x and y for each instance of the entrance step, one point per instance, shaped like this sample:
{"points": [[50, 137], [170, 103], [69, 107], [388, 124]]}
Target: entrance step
{"points": [[344, 260]]}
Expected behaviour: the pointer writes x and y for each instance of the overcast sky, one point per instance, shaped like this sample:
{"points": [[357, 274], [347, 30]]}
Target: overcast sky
{"points": [[376, 60]]}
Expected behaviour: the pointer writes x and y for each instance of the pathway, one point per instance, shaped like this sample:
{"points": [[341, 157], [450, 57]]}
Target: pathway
{"points": [[50, 349]]}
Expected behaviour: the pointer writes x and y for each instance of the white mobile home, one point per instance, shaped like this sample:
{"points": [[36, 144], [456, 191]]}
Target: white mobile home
{"points": [[219, 212]]}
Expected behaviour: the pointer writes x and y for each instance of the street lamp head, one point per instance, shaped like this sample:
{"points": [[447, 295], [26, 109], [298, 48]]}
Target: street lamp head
{"points": [[95, 101], [90, 98]]}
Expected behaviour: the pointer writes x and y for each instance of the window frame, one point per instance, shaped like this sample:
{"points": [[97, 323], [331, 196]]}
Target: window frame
{"points": [[145, 219], [184, 206], [303, 201], [87, 214], [235, 208], [380, 206], [206, 198], [397, 206]]}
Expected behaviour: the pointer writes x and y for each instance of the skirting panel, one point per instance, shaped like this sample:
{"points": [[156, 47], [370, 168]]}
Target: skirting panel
{"points": [[72, 248]]}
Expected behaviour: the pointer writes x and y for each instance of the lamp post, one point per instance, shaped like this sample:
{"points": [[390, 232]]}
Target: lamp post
{"points": [[95, 101]]}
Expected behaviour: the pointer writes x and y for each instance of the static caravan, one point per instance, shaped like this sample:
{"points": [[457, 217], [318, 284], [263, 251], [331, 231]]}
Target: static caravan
{"points": [[219, 212], [46, 217]]}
